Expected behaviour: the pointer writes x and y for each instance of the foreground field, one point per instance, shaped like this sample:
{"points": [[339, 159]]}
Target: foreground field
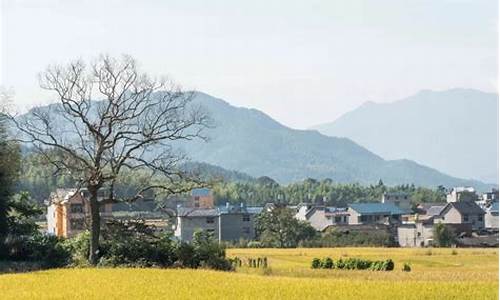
{"points": [[468, 274]]}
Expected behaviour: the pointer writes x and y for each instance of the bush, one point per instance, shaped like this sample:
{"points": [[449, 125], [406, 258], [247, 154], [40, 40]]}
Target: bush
{"points": [[79, 248], [454, 252], [327, 263], [133, 243], [316, 263], [353, 264], [406, 267], [46, 250]]}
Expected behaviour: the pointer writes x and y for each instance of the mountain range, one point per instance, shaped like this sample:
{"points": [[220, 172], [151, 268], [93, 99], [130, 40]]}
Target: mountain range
{"points": [[454, 131], [251, 142]]}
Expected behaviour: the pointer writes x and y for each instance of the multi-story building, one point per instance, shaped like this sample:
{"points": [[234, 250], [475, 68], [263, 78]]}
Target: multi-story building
{"points": [[227, 223], [462, 212], [201, 198], [491, 216], [458, 194], [68, 212], [374, 213], [320, 217], [399, 199]]}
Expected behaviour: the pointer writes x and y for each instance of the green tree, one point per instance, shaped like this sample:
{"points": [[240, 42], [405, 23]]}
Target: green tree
{"points": [[9, 167], [279, 228], [130, 128], [443, 235]]}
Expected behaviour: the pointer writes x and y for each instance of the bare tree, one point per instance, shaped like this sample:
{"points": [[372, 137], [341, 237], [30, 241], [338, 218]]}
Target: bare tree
{"points": [[112, 119]]}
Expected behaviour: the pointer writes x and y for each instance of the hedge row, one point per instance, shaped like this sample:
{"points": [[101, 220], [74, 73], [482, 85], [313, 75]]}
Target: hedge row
{"points": [[352, 264]]}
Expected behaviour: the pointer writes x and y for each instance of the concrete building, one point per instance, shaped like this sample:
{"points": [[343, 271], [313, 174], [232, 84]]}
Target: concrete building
{"points": [[227, 223], [320, 217], [374, 213], [68, 212], [458, 194], [399, 199], [419, 234], [491, 216], [201, 198], [462, 212]]}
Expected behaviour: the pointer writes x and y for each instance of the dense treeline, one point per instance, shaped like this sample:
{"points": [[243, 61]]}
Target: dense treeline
{"points": [[233, 187], [310, 190]]}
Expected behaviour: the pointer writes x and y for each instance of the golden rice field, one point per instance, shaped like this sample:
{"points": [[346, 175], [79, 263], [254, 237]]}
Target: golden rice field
{"points": [[438, 274]]}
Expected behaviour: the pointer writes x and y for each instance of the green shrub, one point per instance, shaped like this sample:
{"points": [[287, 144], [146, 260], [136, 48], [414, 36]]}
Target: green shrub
{"points": [[327, 263], [79, 248], [406, 267], [353, 264], [316, 263]]}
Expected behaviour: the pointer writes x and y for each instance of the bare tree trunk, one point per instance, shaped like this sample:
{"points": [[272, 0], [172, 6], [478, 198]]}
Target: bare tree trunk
{"points": [[95, 226]]}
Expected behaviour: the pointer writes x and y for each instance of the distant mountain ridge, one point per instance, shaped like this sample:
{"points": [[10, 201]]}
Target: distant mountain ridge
{"points": [[251, 142], [455, 131]]}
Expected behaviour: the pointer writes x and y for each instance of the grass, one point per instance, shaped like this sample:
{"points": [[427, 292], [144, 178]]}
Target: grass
{"points": [[469, 274]]}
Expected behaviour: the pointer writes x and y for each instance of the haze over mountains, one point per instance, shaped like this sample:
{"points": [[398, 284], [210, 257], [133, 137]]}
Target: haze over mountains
{"points": [[249, 141], [454, 131]]}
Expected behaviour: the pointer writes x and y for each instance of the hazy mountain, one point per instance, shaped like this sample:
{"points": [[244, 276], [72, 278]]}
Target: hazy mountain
{"points": [[249, 141], [455, 131]]}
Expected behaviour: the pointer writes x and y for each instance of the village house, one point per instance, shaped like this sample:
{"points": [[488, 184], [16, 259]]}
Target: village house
{"points": [[201, 198], [320, 217], [68, 212], [374, 213], [491, 216], [463, 212], [399, 199], [418, 234], [227, 223], [458, 194]]}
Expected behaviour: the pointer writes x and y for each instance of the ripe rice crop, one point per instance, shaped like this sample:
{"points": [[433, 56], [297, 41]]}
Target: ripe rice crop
{"points": [[470, 274]]}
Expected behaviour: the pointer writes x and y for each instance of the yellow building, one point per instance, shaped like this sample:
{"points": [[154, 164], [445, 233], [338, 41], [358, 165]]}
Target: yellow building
{"points": [[68, 212]]}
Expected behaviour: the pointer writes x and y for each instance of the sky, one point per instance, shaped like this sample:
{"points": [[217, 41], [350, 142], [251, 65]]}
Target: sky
{"points": [[301, 62]]}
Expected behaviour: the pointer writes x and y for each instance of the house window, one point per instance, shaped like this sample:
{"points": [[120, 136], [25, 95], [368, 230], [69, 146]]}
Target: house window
{"points": [[210, 220], [246, 218], [246, 230], [337, 219], [77, 224], [480, 218], [466, 218], [76, 208]]}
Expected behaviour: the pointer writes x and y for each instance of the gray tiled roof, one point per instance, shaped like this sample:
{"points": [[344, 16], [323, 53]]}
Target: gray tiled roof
{"points": [[197, 212], [376, 208], [434, 210], [214, 212], [467, 207]]}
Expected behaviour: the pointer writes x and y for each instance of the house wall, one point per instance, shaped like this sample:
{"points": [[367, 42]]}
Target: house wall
{"points": [[353, 217], [51, 219], [453, 216], [186, 226], [233, 227], [398, 201], [318, 220], [415, 235], [202, 201], [491, 220], [407, 236]]}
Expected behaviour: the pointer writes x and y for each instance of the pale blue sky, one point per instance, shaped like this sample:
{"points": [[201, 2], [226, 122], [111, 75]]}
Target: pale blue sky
{"points": [[302, 62]]}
